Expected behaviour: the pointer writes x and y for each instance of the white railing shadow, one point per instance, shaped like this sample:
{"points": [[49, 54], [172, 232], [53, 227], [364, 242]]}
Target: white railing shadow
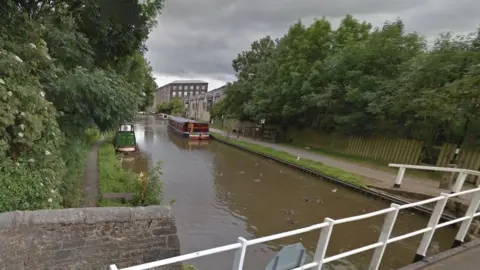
{"points": [[457, 187], [327, 227]]}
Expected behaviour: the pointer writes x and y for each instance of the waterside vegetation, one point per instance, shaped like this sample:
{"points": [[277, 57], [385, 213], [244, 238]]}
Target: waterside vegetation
{"points": [[360, 80], [69, 70]]}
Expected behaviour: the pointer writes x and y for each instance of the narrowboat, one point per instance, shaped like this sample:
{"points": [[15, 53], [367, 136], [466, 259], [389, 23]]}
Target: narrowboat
{"points": [[189, 128], [125, 140]]}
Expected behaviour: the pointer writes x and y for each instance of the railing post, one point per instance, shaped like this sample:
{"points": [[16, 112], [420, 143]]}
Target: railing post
{"points": [[465, 225], [240, 255], [322, 244], [398, 181], [387, 228], [459, 182], [432, 223]]}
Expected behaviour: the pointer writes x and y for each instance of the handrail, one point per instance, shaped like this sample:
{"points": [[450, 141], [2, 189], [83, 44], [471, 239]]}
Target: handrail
{"points": [[327, 226], [462, 173]]}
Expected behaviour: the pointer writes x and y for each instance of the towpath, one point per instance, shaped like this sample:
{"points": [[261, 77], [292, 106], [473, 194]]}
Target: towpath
{"points": [[90, 185]]}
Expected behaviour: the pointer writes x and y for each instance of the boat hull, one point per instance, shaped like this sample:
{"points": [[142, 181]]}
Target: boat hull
{"points": [[188, 135]]}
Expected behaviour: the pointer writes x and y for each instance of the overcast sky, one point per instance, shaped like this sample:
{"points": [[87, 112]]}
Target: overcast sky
{"points": [[198, 39]]}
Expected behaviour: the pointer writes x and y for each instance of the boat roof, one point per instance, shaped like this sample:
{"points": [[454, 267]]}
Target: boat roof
{"points": [[185, 120], [182, 120]]}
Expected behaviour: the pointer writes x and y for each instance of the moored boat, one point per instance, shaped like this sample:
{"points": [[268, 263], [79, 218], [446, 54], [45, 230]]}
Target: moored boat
{"points": [[189, 128], [125, 140]]}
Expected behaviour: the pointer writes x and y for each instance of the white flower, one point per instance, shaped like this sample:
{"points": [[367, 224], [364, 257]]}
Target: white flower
{"points": [[42, 94], [50, 200], [20, 134], [33, 160], [2, 81], [9, 93], [47, 153], [22, 114], [17, 58], [33, 46], [22, 126], [41, 184], [52, 190]]}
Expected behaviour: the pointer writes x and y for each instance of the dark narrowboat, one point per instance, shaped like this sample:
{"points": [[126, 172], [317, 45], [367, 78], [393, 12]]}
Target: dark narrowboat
{"points": [[189, 128]]}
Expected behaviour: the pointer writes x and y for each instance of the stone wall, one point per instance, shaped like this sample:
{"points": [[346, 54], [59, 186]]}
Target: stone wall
{"points": [[87, 238]]}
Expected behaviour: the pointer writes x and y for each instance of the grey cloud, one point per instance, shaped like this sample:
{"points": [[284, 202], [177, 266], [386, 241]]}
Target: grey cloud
{"points": [[200, 38]]}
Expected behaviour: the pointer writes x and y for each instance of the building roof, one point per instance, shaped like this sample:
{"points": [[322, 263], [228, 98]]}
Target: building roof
{"points": [[188, 81], [219, 89]]}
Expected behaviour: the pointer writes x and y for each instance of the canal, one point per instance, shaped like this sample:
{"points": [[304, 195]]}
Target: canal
{"points": [[221, 193]]}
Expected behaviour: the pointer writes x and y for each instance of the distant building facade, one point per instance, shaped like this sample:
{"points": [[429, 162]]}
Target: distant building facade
{"points": [[199, 106], [181, 89]]}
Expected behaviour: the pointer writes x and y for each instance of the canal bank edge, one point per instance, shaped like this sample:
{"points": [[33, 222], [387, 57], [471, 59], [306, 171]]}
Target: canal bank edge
{"points": [[358, 188], [87, 238], [432, 261]]}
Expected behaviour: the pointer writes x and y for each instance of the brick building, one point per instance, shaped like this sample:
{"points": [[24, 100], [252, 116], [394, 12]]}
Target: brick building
{"points": [[181, 89]]}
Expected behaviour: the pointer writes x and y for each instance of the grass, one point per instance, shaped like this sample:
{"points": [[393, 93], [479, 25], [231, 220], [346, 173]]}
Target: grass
{"points": [[376, 164], [111, 176], [188, 267], [306, 163]]}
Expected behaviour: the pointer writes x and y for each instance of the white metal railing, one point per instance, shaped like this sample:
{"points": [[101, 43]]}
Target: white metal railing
{"points": [[327, 227], [462, 173]]}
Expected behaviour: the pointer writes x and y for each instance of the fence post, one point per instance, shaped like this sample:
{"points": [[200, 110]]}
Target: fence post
{"points": [[465, 225], [432, 223], [113, 267], [240, 254], [459, 182], [387, 228], [322, 244], [399, 179]]}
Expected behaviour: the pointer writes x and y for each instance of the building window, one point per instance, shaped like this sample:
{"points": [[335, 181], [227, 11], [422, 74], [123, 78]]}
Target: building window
{"points": [[174, 94], [204, 87], [180, 87], [197, 87], [174, 87], [185, 93], [191, 87]]}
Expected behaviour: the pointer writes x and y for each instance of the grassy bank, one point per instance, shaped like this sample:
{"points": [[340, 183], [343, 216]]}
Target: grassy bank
{"points": [[146, 189], [306, 163]]}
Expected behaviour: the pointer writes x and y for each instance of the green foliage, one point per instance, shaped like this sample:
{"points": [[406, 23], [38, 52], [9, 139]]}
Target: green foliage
{"points": [[359, 80], [66, 67], [175, 107], [164, 107], [114, 179], [111, 176]]}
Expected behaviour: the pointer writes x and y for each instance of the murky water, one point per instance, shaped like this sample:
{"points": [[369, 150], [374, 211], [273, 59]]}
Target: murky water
{"points": [[222, 193]]}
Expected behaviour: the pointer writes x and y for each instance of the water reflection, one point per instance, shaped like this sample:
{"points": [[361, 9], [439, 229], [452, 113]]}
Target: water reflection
{"points": [[222, 193]]}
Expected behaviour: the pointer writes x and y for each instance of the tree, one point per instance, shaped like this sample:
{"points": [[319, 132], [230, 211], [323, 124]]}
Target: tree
{"points": [[359, 80], [66, 66]]}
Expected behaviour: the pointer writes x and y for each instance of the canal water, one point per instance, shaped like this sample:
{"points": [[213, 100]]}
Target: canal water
{"points": [[221, 193]]}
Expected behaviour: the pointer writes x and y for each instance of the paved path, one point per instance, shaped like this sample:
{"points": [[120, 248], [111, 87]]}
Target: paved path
{"points": [[465, 257], [376, 178], [467, 260], [90, 179]]}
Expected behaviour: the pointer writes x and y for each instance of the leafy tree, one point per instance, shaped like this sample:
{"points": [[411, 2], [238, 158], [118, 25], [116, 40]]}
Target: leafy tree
{"points": [[66, 67], [360, 80], [176, 106]]}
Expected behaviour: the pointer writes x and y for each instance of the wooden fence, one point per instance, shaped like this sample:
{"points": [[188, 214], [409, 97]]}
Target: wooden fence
{"points": [[374, 148]]}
